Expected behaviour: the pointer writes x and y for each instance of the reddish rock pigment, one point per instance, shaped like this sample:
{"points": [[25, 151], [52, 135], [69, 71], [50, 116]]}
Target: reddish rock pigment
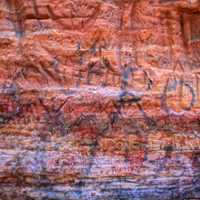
{"points": [[99, 99]]}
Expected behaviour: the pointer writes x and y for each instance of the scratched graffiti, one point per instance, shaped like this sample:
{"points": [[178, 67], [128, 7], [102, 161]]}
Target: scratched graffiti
{"points": [[99, 100], [10, 102]]}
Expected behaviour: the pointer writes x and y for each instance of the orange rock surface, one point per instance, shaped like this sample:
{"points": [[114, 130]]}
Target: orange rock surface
{"points": [[99, 99]]}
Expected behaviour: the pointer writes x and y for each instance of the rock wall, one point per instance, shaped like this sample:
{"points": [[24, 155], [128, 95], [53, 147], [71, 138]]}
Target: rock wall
{"points": [[99, 99]]}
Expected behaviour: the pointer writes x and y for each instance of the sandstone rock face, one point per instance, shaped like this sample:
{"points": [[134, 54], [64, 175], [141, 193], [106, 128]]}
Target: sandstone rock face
{"points": [[99, 99]]}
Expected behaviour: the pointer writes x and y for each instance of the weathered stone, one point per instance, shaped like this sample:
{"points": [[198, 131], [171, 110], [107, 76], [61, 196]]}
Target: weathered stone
{"points": [[99, 99]]}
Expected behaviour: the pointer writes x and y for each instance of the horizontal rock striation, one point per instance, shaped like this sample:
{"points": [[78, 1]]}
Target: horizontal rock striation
{"points": [[99, 99]]}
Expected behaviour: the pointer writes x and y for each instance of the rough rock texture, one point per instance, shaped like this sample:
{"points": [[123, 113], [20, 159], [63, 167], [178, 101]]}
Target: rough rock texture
{"points": [[99, 99]]}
